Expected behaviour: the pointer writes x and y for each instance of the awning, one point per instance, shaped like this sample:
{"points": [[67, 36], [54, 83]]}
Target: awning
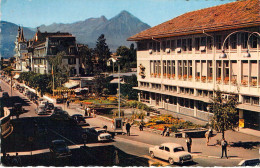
{"points": [[71, 84], [116, 81], [16, 76], [80, 89]]}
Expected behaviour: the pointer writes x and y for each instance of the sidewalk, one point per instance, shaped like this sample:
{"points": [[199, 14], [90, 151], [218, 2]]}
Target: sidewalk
{"points": [[242, 146]]}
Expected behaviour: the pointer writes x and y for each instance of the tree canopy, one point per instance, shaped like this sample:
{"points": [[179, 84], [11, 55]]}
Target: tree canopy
{"points": [[60, 69], [128, 57], [86, 55], [225, 114]]}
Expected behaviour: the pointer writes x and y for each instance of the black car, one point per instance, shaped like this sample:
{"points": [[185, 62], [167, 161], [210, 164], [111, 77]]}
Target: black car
{"points": [[60, 115], [49, 106], [79, 120], [59, 149]]}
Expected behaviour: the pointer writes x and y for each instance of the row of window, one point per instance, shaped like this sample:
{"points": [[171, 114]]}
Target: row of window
{"points": [[226, 71], [199, 43]]}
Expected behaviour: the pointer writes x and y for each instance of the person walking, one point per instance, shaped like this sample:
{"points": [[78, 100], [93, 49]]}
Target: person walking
{"points": [[189, 143], [167, 131], [68, 104], [164, 130], [128, 126], [141, 127], [207, 135], [224, 147]]}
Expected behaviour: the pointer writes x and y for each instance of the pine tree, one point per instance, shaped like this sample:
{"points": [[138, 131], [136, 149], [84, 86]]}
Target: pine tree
{"points": [[102, 52]]}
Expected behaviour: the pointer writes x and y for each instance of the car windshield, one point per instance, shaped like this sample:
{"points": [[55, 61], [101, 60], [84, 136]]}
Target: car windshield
{"points": [[101, 131], [178, 149]]}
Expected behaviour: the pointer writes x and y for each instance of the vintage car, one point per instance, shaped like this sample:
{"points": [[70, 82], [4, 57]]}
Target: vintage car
{"points": [[59, 149], [41, 110], [79, 120], [172, 152], [18, 109], [98, 134]]}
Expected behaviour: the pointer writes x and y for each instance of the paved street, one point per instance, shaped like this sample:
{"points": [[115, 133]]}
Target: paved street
{"points": [[132, 150]]}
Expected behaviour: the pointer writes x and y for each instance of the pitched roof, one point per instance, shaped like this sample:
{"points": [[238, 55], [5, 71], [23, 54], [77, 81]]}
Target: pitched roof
{"points": [[228, 16], [21, 36]]}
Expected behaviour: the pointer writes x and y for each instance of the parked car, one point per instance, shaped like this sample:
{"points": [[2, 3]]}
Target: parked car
{"points": [[250, 162], [172, 152], [98, 134], [5, 95], [18, 109], [60, 115], [21, 89], [59, 149], [41, 110], [49, 106], [79, 120], [59, 101]]}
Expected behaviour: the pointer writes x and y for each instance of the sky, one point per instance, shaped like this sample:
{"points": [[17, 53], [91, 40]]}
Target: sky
{"points": [[33, 13]]}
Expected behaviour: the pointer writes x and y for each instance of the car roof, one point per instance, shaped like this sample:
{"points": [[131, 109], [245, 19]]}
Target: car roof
{"points": [[58, 141], [74, 115], [171, 145], [40, 106]]}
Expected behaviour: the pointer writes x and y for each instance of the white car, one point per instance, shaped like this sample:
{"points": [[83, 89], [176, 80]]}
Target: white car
{"points": [[98, 134], [172, 152]]}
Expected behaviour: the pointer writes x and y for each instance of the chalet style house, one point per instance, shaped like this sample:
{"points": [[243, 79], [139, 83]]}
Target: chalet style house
{"points": [[182, 61]]}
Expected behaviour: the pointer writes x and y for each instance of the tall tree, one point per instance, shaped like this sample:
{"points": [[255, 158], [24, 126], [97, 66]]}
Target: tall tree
{"points": [[127, 88], [86, 54], [128, 57], [60, 69], [102, 52], [225, 114]]}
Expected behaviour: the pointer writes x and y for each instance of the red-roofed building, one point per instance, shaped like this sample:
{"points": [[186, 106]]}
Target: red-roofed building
{"points": [[181, 61], [46, 44]]}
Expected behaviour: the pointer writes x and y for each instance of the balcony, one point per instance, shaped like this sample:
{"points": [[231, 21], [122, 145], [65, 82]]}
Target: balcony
{"points": [[203, 79], [219, 81], [210, 79], [244, 82]]}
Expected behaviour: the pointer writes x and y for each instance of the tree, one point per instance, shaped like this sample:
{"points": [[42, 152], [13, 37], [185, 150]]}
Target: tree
{"points": [[8, 70], [102, 52], [128, 57], [60, 70], [127, 88], [100, 83], [85, 54], [225, 114]]}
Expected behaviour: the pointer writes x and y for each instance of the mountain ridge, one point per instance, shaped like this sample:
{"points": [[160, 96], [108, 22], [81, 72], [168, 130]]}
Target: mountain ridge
{"points": [[116, 31]]}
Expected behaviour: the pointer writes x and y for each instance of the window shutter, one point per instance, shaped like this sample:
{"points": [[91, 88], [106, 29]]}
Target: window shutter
{"points": [[234, 70], [245, 68], [253, 69], [204, 69], [198, 67]]}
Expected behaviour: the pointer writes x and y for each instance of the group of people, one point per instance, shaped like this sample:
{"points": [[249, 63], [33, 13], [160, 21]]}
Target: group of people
{"points": [[166, 131], [208, 134], [88, 112]]}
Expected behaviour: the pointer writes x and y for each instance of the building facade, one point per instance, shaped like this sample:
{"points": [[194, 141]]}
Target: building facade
{"points": [[45, 45], [182, 61]]}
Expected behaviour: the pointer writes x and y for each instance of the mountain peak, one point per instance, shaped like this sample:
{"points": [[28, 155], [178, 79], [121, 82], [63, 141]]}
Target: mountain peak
{"points": [[124, 12], [103, 18]]}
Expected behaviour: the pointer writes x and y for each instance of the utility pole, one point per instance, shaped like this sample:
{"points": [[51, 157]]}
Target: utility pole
{"points": [[119, 88], [52, 80]]}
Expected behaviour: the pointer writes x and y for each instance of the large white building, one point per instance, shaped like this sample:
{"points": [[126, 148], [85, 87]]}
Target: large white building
{"points": [[181, 61]]}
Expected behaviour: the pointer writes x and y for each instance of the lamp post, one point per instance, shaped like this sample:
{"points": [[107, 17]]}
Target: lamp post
{"points": [[208, 109], [167, 100]]}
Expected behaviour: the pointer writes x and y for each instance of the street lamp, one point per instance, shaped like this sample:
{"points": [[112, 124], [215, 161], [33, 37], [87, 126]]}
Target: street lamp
{"points": [[167, 100], [208, 109]]}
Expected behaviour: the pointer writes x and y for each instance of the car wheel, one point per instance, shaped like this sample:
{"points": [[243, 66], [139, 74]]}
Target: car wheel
{"points": [[171, 161], [152, 154]]}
